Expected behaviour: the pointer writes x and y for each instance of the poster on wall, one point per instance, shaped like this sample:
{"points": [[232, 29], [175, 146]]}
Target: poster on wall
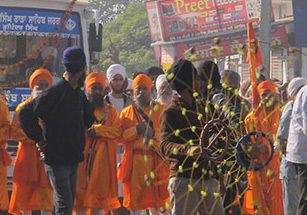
{"points": [[154, 21], [183, 19]]}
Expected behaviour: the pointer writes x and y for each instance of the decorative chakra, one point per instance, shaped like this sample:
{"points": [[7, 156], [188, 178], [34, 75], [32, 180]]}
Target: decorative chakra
{"points": [[250, 148], [152, 175], [190, 188], [170, 76], [206, 109], [195, 165], [191, 142], [203, 193], [175, 151], [180, 169], [151, 142], [156, 107], [193, 128], [167, 206], [204, 171]]}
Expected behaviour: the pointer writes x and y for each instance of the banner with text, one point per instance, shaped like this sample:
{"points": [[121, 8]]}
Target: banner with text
{"points": [[229, 45], [31, 22], [182, 19]]}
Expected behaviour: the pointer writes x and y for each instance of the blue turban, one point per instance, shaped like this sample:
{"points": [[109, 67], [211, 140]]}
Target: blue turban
{"points": [[74, 59]]}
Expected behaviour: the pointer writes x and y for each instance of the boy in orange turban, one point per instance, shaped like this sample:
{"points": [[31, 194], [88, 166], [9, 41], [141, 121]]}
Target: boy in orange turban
{"points": [[31, 187], [97, 188], [140, 124], [265, 194]]}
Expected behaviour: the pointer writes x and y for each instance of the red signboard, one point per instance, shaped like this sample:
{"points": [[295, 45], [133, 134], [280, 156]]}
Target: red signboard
{"points": [[182, 19], [228, 46]]}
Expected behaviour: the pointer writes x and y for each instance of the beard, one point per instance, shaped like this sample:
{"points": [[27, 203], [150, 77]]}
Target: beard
{"points": [[115, 90], [81, 80], [36, 93], [142, 101], [270, 105], [96, 100], [165, 98]]}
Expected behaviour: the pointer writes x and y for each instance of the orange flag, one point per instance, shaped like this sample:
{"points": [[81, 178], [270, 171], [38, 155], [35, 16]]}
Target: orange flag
{"points": [[254, 58]]}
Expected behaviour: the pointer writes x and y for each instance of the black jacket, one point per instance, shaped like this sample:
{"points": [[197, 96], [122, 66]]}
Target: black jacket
{"points": [[65, 113]]}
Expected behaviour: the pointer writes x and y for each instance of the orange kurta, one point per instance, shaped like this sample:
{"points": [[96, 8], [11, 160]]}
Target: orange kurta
{"points": [[5, 158], [31, 187], [102, 188], [266, 191], [137, 194]]}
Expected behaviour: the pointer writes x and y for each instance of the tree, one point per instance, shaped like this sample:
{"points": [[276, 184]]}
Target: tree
{"points": [[126, 40], [110, 9]]}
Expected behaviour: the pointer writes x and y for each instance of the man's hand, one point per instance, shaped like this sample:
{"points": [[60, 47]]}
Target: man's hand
{"points": [[197, 152], [41, 148], [254, 151], [141, 127], [262, 148], [91, 132], [150, 133]]}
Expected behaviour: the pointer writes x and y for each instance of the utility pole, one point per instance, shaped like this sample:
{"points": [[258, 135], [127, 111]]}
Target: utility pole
{"points": [[265, 34]]}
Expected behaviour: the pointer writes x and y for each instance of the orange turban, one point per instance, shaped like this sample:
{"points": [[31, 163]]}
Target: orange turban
{"points": [[266, 85], [39, 75], [93, 78], [142, 79]]}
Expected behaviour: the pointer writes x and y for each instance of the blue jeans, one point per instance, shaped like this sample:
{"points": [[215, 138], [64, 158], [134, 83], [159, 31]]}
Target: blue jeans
{"points": [[290, 187], [63, 179]]}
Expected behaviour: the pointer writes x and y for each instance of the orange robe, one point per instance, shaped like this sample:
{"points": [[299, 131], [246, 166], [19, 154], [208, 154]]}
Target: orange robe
{"points": [[102, 188], [265, 194], [31, 186], [5, 158], [137, 194]]}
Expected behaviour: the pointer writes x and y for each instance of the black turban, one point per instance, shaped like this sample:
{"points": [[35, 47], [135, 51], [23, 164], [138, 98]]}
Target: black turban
{"points": [[181, 75], [208, 71]]}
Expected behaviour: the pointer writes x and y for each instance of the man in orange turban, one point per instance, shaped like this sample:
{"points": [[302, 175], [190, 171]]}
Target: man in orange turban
{"points": [[97, 186], [5, 158], [140, 123], [40, 76], [265, 194], [31, 187]]}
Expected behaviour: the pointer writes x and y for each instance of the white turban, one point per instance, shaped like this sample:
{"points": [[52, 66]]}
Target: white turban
{"points": [[115, 69], [130, 84], [160, 80], [295, 84]]}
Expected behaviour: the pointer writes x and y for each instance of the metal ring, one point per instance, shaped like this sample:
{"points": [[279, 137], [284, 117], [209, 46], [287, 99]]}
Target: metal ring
{"points": [[238, 147], [204, 139]]}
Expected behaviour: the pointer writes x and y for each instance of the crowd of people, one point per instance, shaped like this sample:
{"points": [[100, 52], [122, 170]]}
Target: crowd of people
{"points": [[139, 152]]}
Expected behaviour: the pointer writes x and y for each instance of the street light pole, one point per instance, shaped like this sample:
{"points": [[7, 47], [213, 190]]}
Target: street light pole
{"points": [[265, 34]]}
